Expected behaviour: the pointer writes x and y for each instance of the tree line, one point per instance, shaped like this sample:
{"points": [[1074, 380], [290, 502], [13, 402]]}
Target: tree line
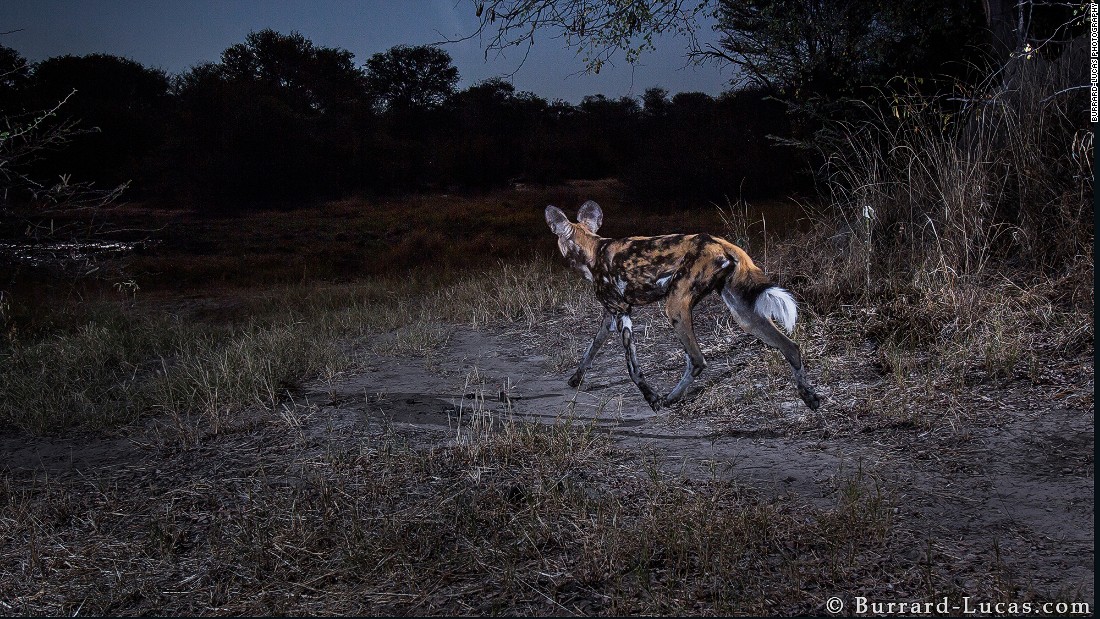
{"points": [[280, 119]]}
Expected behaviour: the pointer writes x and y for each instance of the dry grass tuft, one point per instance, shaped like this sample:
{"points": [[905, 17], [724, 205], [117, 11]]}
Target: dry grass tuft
{"points": [[121, 361], [511, 519]]}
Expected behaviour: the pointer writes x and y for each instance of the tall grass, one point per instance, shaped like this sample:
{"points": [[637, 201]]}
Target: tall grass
{"points": [[963, 224], [934, 192]]}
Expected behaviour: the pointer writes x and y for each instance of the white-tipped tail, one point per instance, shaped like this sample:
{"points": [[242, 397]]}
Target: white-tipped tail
{"points": [[777, 304]]}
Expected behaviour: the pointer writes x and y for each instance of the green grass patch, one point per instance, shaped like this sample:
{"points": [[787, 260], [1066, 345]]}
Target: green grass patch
{"points": [[110, 362]]}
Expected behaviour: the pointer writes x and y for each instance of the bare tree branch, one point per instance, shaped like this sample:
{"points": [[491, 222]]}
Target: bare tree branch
{"points": [[596, 29]]}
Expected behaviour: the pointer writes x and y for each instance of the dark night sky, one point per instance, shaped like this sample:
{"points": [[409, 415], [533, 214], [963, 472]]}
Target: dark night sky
{"points": [[175, 35]]}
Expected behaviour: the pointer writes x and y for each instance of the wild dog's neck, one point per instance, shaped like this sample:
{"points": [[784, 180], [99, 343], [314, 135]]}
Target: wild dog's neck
{"points": [[579, 249], [588, 243]]}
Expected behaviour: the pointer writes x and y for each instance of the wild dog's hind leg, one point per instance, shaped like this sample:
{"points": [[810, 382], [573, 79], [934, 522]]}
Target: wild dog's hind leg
{"points": [[766, 332], [626, 328], [678, 391], [593, 348], [678, 310]]}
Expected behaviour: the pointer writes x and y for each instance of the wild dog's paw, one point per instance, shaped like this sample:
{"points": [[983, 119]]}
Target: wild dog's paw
{"points": [[697, 367], [575, 380], [654, 401], [667, 402], [809, 397]]}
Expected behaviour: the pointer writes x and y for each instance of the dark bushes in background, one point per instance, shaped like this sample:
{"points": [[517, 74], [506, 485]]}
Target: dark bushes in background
{"points": [[279, 120], [698, 148], [121, 108]]}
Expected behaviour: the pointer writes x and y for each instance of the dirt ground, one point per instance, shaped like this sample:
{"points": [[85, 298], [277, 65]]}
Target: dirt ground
{"points": [[1021, 486], [1011, 486]]}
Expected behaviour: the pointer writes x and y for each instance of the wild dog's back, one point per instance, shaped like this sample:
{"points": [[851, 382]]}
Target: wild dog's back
{"points": [[639, 270]]}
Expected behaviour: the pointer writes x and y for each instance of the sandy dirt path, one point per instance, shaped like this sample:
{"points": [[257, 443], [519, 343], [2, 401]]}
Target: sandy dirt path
{"points": [[1019, 493], [1013, 497]]}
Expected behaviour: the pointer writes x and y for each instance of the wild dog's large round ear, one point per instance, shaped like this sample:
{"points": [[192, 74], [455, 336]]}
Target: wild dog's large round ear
{"points": [[558, 222], [590, 216]]}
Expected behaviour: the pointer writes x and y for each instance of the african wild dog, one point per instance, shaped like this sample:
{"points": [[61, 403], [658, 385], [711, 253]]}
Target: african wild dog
{"points": [[681, 269]]}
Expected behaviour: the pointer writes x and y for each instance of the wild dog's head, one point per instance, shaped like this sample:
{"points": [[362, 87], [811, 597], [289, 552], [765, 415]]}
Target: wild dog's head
{"points": [[577, 241]]}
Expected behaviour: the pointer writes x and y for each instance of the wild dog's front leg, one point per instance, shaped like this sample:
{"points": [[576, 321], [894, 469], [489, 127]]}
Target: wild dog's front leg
{"points": [[626, 327], [593, 348]]}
